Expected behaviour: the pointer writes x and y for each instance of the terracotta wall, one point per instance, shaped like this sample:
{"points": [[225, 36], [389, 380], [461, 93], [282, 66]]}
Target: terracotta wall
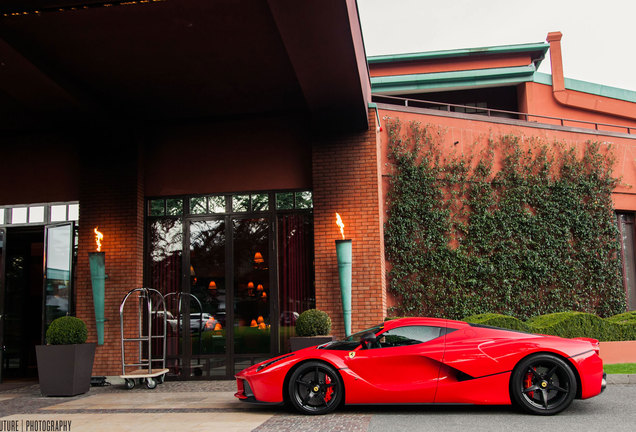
{"points": [[465, 136], [536, 98], [346, 179]]}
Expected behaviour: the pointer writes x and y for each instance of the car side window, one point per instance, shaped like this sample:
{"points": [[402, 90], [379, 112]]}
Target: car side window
{"points": [[408, 335]]}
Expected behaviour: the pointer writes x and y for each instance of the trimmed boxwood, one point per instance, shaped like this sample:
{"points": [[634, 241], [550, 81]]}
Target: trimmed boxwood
{"points": [[626, 322], [573, 324], [624, 318], [313, 322], [66, 330], [498, 320], [567, 324]]}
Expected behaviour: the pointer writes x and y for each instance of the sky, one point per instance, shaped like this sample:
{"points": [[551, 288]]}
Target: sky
{"points": [[599, 36]]}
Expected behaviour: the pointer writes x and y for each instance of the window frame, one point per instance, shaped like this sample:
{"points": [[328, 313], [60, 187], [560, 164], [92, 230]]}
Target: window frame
{"points": [[379, 343]]}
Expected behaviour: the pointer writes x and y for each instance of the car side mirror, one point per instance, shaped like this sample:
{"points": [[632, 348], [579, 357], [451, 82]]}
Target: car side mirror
{"points": [[367, 340]]}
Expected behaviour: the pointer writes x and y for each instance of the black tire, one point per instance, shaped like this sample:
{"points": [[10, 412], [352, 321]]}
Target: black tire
{"points": [[129, 383], [315, 388], [542, 384], [151, 383]]}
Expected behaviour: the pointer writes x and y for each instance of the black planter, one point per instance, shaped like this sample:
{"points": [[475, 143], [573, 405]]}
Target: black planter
{"points": [[300, 342], [65, 370]]}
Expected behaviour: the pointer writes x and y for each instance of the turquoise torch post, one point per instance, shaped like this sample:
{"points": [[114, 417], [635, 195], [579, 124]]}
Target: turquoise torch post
{"points": [[343, 252], [344, 255], [97, 261]]}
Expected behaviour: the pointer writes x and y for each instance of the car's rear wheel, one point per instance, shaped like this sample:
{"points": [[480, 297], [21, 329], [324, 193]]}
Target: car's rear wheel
{"points": [[543, 384], [315, 388]]}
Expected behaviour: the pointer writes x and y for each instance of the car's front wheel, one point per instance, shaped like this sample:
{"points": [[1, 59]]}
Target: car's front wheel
{"points": [[315, 388], [543, 384]]}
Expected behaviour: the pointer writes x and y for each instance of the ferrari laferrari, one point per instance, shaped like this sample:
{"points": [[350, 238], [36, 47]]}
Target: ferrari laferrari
{"points": [[430, 361]]}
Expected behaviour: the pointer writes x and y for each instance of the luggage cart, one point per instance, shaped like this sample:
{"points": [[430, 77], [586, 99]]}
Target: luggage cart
{"points": [[145, 371]]}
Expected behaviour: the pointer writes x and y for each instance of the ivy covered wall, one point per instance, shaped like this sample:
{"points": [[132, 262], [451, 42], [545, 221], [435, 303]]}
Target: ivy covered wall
{"points": [[521, 227]]}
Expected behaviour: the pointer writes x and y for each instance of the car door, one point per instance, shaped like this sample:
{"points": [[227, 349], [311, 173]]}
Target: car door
{"points": [[401, 367]]}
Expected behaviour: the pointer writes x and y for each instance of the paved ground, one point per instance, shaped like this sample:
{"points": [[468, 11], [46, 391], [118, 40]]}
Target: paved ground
{"points": [[210, 405]]}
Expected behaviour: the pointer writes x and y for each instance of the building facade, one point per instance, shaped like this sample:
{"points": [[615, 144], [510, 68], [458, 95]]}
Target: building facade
{"points": [[212, 143]]}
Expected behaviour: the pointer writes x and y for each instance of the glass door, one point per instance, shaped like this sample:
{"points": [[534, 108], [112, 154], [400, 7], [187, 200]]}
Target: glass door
{"points": [[205, 311], [23, 250], [165, 243], [58, 272], [3, 236], [228, 316], [252, 293], [221, 261]]}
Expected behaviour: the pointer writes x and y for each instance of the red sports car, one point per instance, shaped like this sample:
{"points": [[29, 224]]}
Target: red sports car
{"points": [[430, 360]]}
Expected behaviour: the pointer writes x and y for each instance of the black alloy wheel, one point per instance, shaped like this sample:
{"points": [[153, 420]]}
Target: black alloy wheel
{"points": [[315, 388], [542, 384]]}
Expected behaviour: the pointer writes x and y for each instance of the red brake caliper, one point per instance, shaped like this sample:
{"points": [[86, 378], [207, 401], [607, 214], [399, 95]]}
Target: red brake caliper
{"points": [[527, 383], [329, 391]]}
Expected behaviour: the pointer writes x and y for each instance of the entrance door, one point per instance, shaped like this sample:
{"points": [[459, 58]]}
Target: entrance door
{"points": [[221, 261], [3, 236], [206, 315], [227, 313], [23, 250], [58, 271], [253, 292], [30, 297]]}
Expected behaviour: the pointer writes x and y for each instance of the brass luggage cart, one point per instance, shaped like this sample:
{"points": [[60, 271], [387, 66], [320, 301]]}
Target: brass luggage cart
{"points": [[150, 365]]}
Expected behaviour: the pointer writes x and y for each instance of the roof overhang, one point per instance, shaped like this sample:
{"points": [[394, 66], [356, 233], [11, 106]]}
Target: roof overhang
{"points": [[536, 50], [447, 81], [456, 69], [152, 61]]}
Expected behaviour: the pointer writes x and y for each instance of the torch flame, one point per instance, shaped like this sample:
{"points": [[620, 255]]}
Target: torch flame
{"points": [[98, 239], [340, 224]]}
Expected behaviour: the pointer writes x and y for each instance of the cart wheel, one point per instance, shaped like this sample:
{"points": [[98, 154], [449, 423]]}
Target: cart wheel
{"points": [[161, 378], [130, 384], [151, 383]]}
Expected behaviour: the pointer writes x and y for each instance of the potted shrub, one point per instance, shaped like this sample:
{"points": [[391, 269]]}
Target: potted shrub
{"points": [[312, 328], [65, 364]]}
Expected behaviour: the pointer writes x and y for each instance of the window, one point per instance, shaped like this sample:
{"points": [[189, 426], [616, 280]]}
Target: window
{"points": [[408, 335], [247, 260], [626, 237], [38, 214], [261, 202]]}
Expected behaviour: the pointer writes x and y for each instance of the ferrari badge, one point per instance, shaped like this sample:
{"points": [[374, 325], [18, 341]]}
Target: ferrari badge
{"points": [[352, 354]]}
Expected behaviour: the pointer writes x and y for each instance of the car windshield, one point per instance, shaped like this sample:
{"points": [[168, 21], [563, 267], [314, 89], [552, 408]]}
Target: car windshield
{"points": [[356, 336]]}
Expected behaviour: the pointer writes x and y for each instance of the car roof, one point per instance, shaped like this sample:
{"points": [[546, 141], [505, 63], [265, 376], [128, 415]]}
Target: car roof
{"points": [[441, 322]]}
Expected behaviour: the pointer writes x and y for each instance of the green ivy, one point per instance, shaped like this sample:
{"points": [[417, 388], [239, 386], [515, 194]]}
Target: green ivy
{"points": [[536, 236]]}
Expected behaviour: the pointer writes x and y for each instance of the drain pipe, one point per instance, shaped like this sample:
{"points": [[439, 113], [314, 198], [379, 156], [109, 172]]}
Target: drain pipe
{"points": [[580, 100]]}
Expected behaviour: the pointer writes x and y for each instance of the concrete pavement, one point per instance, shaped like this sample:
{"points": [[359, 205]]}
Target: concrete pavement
{"points": [[210, 405]]}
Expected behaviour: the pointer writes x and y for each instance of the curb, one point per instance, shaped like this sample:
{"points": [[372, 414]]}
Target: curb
{"points": [[621, 378], [611, 379]]}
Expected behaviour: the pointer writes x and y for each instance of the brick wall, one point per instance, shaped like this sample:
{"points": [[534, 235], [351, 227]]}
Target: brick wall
{"points": [[111, 197], [346, 179]]}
